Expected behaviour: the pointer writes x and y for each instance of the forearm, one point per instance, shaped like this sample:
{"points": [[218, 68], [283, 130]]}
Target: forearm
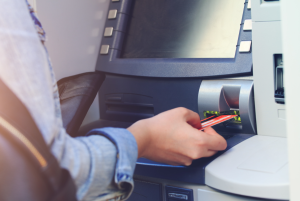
{"points": [[88, 160]]}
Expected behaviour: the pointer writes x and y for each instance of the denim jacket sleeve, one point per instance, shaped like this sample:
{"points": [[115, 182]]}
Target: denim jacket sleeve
{"points": [[112, 154], [102, 165], [126, 157]]}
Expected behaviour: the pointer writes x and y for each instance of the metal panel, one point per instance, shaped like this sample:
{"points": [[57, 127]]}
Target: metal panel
{"points": [[265, 10], [269, 120], [291, 44]]}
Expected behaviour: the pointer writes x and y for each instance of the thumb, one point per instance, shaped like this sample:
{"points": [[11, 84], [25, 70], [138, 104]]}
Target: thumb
{"points": [[193, 119]]}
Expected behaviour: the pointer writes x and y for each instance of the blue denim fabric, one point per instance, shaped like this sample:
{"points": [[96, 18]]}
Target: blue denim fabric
{"points": [[26, 69], [118, 136], [38, 26]]}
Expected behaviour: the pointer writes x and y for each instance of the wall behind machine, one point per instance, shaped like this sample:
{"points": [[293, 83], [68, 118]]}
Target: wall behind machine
{"points": [[73, 37]]}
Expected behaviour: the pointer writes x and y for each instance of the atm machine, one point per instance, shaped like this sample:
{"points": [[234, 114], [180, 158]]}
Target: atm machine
{"points": [[212, 57]]}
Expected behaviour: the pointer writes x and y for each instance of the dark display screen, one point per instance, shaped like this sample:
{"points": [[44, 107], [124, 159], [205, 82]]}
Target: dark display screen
{"points": [[183, 29]]}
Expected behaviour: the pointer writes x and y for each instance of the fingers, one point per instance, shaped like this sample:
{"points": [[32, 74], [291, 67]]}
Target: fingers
{"points": [[210, 153], [191, 117], [187, 161], [182, 160], [209, 139], [214, 141], [210, 130], [172, 137], [197, 144], [173, 159]]}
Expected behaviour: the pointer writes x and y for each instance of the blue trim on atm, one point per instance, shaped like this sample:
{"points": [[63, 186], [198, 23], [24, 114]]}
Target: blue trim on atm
{"points": [[168, 67], [194, 173]]}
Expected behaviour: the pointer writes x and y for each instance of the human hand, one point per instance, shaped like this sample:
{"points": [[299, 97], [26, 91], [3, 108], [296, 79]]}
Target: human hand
{"points": [[172, 137]]}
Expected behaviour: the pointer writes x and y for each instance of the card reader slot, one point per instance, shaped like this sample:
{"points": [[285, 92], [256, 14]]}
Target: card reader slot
{"points": [[128, 106], [228, 97]]}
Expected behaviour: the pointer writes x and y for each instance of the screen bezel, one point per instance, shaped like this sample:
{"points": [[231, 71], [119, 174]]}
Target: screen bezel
{"points": [[168, 67]]}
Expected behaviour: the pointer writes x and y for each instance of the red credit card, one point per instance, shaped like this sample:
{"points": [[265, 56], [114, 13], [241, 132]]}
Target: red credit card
{"points": [[214, 120]]}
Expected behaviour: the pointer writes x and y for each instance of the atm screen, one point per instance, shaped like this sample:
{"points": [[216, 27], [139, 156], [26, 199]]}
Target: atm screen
{"points": [[183, 29]]}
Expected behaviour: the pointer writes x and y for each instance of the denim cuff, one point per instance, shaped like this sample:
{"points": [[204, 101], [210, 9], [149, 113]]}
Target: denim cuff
{"points": [[127, 152]]}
